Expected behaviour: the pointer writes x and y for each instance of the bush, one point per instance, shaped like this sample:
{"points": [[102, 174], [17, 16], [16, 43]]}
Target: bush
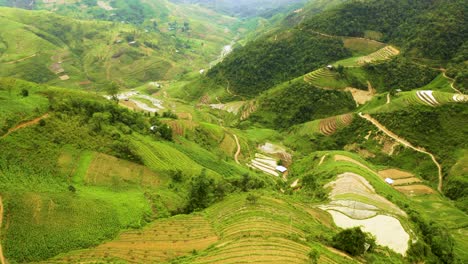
{"points": [[24, 92]]}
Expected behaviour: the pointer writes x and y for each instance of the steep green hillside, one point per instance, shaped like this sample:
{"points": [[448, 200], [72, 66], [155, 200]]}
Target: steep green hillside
{"points": [[47, 48], [263, 63], [433, 29], [291, 104]]}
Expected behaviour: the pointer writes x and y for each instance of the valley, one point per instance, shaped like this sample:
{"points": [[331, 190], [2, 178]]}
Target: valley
{"points": [[156, 131]]}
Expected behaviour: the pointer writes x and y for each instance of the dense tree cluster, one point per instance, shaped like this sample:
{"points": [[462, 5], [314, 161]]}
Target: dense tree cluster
{"points": [[436, 29], [266, 62], [299, 102], [399, 73]]}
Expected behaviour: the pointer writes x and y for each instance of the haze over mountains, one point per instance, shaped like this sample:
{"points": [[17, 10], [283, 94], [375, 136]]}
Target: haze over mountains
{"points": [[185, 131]]}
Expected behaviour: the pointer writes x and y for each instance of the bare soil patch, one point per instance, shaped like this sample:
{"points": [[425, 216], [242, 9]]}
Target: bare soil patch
{"points": [[26, 124], [395, 174], [360, 96], [414, 190], [406, 181]]}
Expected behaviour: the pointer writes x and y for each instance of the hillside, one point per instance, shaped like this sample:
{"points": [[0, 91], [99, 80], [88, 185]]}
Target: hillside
{"points": [[47, 48], [157, 131]]}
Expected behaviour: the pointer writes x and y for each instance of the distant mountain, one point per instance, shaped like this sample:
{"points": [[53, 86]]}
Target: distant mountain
{"points": [[245, 8]]}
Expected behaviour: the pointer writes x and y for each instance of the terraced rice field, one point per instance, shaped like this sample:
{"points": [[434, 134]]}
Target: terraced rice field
{"points": [[354, 202], [427, 97], [180, 127], [106, 170], [318, 74], [258, 250], [380, 55], [264, 163], [415, 189], [406, 182], [433, 98], [161, 241], [261, 233], [330, 125], [161, 156]]}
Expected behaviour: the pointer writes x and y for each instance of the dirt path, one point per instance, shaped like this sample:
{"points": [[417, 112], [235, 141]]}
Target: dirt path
{"points": [[452, 82], [26, 124], [22, 59], [236, 156], [388, 98], [2, 258], [407, 144], [322, 159]]}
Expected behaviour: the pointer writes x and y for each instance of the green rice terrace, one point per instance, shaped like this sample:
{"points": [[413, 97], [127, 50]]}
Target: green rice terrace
{"points": [[179, 132]]}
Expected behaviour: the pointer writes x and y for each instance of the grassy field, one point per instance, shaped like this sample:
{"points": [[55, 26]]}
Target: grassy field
{"points": [[270, 231], [16, 107]]}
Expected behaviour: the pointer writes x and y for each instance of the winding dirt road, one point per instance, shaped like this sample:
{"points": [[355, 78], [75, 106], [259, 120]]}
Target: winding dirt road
{"points": [[2, 258], [22, 59], [26, 124], [452, 82], [405, 143], [236, 156]]}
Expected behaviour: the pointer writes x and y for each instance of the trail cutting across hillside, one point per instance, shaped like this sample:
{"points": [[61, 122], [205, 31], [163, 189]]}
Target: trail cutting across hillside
{"points": [[236, 156], [2, 258], [26, 124], [452, 82], [405, 143], [22, 59]]}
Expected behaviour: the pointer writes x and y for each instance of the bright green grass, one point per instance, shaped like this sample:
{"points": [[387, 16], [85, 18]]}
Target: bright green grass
{"points": [[440, 83], [130, 206], [82, 166], [408, 99], [349, 62], [15, 108], [162, 157], [45, 224]]}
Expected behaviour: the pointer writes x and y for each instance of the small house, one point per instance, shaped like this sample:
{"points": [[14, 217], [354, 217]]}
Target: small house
{"points": [[132, 42], [153, 128], [330, 67], [281, 169], [64, 77], [202, 71], [389, 181]]}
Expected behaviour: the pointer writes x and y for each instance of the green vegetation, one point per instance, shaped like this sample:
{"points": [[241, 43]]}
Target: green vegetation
{"points": [[89, 174], [433, 29], [248, 71], [296, 103], [353, 241], [399, 73]]}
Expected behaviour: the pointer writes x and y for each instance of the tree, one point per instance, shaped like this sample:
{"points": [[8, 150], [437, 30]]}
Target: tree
{"points": [[340, 69], [113, 90], [353, 241], [314, 256], [200, 194], [251, 198], [72, 188], [24, 92]]}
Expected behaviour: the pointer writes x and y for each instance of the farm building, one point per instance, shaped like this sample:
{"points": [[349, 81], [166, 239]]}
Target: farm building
{"points": [[389, 181], [64, 77], [281, 169]]}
